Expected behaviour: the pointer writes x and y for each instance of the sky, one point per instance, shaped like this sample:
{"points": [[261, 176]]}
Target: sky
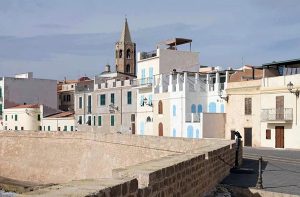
{"points": [[72, 38]]}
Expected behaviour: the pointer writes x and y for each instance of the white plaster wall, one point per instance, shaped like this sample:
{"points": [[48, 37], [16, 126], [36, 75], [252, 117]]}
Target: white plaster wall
{"points": [[26, 118], [54, 123]]}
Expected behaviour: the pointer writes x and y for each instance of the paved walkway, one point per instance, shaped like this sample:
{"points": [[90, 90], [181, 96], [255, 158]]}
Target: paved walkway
{"points": [[281, 170]]}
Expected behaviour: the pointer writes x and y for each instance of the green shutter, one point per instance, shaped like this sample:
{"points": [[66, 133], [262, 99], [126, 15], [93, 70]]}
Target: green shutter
{"points": [[65, 128], [112, 98], [16, 117], [102, 99], [0, 92], [99, 120], [112, 120], [72, 128], [0, 109], [48, 128], [129, 98]]}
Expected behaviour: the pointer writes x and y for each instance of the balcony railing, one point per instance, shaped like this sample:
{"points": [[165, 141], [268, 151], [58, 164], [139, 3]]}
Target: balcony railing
{"points": [[143, 82], [275, 115], [146, 55]]}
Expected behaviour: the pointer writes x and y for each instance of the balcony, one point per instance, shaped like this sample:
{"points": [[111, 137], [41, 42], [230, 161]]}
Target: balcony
{"points": [[277, 116], [144, 82]]}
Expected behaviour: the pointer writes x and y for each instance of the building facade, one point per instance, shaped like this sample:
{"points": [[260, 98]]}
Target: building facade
{"points": [[23, 88]]}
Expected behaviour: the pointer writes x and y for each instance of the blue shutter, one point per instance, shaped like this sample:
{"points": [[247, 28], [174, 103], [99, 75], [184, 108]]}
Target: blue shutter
{"points": [[151, 74], [193, 108], [199, 108], [190, 131], [143, 76]]}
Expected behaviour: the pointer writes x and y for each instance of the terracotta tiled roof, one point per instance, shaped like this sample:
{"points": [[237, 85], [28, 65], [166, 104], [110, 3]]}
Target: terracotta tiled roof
{"points": [[27, 106], [61, 115]]}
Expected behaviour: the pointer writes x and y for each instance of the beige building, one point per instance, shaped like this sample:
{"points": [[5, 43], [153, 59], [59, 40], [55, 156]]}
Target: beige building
{"points": [[265, 111]]}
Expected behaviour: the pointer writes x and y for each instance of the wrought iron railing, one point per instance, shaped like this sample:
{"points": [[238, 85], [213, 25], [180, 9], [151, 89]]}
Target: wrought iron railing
{"points": [[284, 114], [143, 81], [192, 117]]}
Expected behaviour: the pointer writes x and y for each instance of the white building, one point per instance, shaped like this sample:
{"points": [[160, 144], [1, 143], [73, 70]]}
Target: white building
{"points": [[24, 88], [185, 97], [35, 117]]}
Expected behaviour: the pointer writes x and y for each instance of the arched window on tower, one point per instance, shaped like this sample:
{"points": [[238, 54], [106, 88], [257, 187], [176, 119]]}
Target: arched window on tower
{"points": [[160, 107], [128, 54], [120, 53], [127, 68]]}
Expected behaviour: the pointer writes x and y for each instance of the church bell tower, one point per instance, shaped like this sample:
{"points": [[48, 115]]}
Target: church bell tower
{"points": [[125, 53]]}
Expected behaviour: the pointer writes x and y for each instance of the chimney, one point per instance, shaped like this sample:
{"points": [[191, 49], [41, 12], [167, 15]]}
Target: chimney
{"points": [[107, 68]]}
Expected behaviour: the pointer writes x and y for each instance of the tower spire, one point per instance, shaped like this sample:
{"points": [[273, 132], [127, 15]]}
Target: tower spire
{"points": [[125, 36]]}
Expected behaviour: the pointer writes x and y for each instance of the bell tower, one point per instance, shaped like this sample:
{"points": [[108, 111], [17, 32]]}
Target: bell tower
{"points": [[125, 52]]}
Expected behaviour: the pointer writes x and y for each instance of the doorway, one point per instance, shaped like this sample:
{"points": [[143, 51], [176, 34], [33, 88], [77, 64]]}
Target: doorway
{"points": [[279, 137], [160, 129], [133, 128], [248, 136]]}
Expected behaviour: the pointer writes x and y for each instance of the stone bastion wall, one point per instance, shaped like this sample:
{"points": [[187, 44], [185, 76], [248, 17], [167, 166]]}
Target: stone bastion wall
{"points": [[115, 164]]}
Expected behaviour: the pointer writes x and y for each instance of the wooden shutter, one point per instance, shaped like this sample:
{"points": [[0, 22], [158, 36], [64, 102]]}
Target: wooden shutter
{"points": [[268, 134], [248, 106]]}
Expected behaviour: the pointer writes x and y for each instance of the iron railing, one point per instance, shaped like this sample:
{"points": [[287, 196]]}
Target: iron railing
{"points": [[192, 117], [284, 114]]}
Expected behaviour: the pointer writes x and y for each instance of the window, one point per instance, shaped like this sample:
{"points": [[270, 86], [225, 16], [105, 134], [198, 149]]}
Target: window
{"points": [[39, 117], [129, 97], [143, 76], [160, 107], [68, 98], [58, 128], [16, 128], [16, 117], [151, 74], [99, 120], [128, 54], [199, 108], [112, 98], [102, 99], [89, 122], [40, 128], [5, 117], [193, 108], [64, 98], [22, 128], [174, 110], [150, 100], [80, 120], [65, 128], [94, 120], [1, 109], [112, 120], [120, 53], [174, 132], [212, 107], [248, 106], [197, 133], [142, 100], [132, 118], [268, 134], [80, 102], [89, 104], [72, 128], [44, 128], [48, 128]]}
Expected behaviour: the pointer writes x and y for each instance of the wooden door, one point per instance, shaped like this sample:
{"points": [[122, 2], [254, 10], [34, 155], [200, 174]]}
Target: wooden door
{"points": [[279, 107], [248, 136], [160, 129], [133, 128], [279, 137]]}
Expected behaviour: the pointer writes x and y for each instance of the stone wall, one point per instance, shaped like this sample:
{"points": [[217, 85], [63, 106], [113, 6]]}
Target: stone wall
{"points": [[152, 165]]}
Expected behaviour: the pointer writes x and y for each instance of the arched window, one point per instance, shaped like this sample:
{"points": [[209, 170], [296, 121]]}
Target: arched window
{"points": [[199, 109], [222, 108], [190, 131], [160, 129], [160, 107], [127, 68], [212, 107], [193, 108], [148, 119], [174, 132], [197, 133], [128, 54], [120, 53], [174, 110]]}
